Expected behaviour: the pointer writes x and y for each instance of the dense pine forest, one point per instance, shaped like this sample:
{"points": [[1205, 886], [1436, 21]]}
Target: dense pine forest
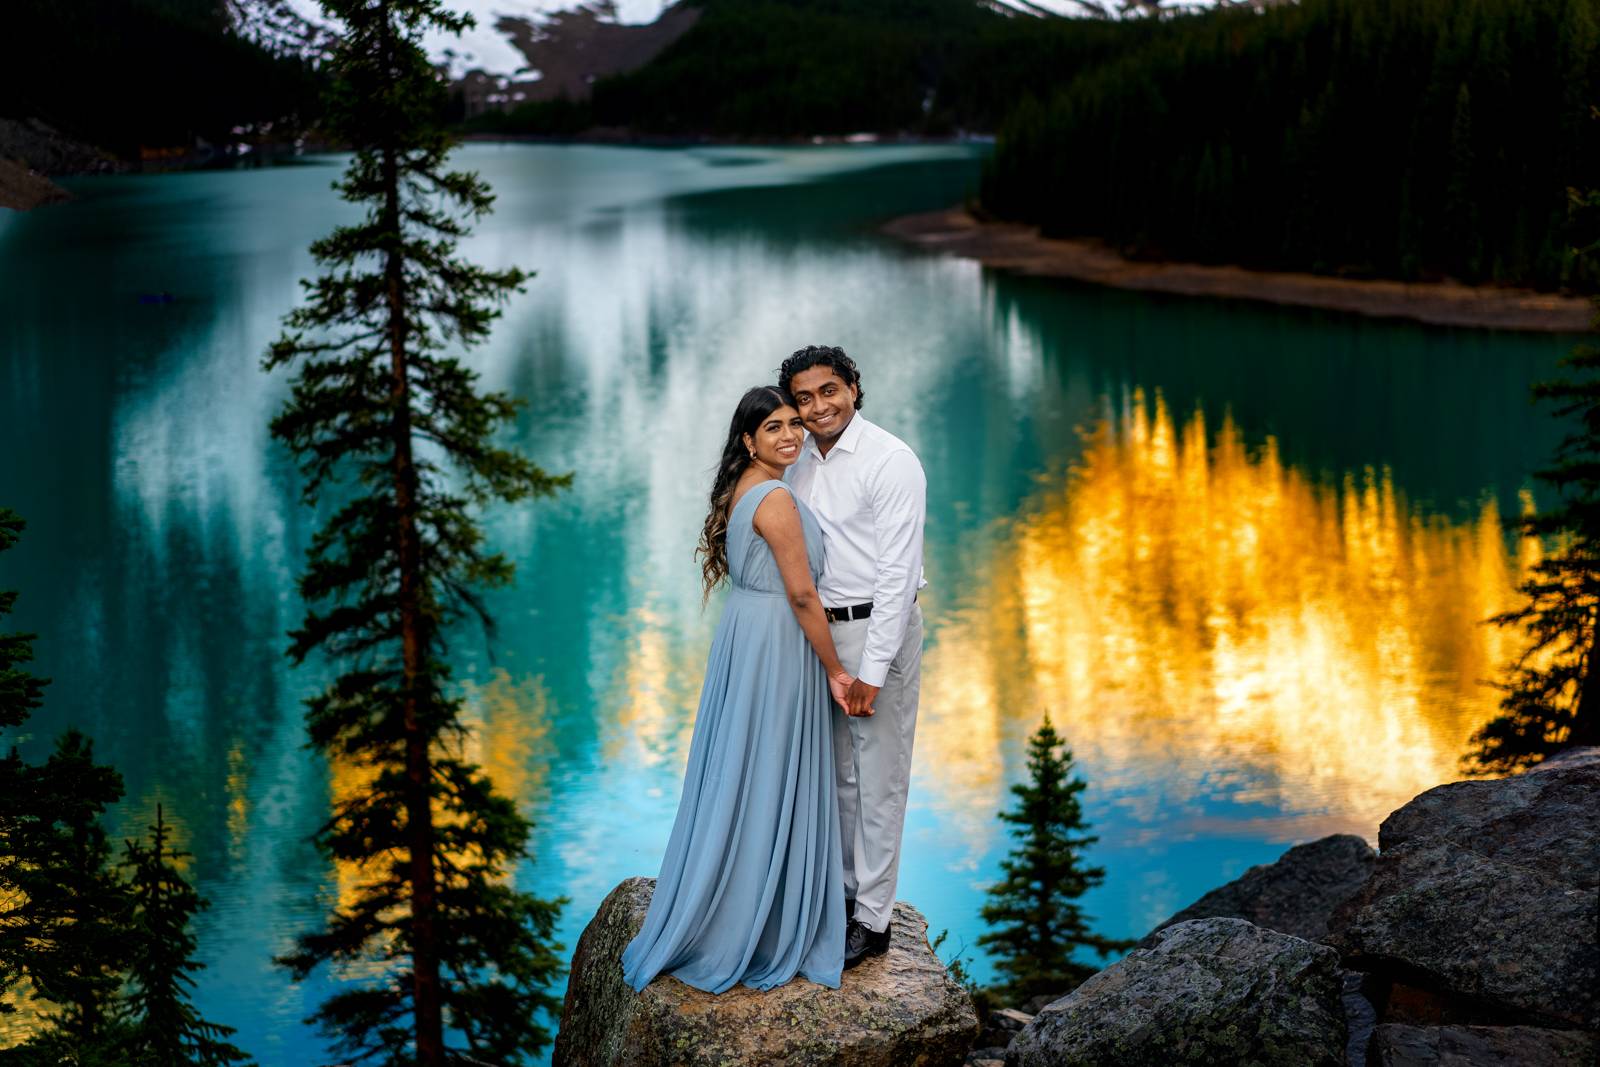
{"points": [[795, 68], [1411, 139], [122, 74]]}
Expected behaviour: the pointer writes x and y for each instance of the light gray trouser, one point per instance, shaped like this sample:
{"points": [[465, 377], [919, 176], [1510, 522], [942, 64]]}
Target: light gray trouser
{"points": [[872, 760]]}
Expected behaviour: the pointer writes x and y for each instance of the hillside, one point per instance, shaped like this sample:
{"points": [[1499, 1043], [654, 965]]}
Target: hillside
{"points": [[126, 74], [1405, 139], [794, 68]]}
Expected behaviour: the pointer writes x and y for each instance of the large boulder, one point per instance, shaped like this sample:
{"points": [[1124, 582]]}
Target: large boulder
{"points": [[1482, 907], [1294, 894], [898, 1009], [1399, 1045], [1217, 990]]}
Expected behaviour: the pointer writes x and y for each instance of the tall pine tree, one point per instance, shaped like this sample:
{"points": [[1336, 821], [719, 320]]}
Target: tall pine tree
{"points": [[379, 408], [1038, 925], [164, 1029]]}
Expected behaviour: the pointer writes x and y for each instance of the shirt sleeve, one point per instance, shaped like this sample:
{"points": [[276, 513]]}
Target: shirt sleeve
{"points": [[898, 492]]}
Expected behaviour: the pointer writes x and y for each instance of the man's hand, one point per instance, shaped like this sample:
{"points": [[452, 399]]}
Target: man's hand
{"points": [[839, 684], [858, 700]]}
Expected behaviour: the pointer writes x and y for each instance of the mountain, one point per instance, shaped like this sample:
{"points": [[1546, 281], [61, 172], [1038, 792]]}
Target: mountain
{"points": [[147, 75], [797, 68]]}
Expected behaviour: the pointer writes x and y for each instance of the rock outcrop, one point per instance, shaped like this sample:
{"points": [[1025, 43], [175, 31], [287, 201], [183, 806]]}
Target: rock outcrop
{"points": [[898, 1009], [1483, 906], [30, 152], [1398, 1045], [1293, 895], [1218, 990]]}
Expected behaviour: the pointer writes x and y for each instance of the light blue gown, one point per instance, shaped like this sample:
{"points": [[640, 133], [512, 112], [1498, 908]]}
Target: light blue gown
{"points": [[752, 885]]}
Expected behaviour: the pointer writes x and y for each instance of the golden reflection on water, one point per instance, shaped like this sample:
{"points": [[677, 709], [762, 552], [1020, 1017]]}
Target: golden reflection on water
{"points": [[1209, 626], [657, 692], [507, 735]]}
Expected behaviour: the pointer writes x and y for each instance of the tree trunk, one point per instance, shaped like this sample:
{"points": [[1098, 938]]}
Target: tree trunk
{"points": [[419, 807]]}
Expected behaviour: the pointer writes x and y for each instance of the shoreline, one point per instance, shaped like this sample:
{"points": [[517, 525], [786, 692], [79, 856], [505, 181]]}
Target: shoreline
{"points": [[1019, 247], [23, 190]]}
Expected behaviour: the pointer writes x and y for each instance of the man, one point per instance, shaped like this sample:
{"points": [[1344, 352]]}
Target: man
{"points": [[868, 492]]}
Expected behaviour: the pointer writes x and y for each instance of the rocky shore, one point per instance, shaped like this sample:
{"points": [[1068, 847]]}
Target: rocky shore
{"points": [[1468, 939], [31, 153], [1018, 247]]}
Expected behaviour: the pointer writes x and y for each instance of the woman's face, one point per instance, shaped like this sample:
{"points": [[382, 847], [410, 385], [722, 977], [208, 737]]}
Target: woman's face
{"points": [[776, 441]]}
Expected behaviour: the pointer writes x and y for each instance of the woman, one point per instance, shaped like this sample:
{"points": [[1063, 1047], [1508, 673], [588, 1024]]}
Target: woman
{"points": [[752, 885]]}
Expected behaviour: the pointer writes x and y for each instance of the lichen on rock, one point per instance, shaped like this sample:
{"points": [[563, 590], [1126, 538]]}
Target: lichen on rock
{"points": [[1218, 990]]}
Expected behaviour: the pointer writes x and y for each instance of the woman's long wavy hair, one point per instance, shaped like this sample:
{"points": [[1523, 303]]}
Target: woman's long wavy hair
{"points": [[754, 407]]}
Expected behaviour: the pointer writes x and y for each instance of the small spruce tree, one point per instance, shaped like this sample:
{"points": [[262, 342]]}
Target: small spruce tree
{"points": [[20, 693], [63, 912], [70, 927], [1037, 926], [1551, 698], [378, 400], [163, 1027]]}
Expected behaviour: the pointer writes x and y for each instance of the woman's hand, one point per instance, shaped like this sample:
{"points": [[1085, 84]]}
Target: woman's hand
{"points": [[839, 683]]}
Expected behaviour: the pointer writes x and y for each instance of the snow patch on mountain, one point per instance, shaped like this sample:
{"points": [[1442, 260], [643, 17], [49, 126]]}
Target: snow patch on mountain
{"points": [[299, 26]]}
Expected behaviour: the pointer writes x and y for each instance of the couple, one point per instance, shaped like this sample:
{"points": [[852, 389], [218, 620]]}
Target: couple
{"points": [[786, 847]]}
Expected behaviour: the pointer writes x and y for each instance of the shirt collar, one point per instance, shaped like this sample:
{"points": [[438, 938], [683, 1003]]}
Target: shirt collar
{"points": [[847, 440]]}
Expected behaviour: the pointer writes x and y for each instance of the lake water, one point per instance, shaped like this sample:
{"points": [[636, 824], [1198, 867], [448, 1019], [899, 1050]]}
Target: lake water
{"points": [[1238, 553]]}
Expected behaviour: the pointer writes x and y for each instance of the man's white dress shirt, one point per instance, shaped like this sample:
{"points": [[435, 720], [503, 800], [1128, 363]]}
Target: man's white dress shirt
{"points": [[869, 495]]}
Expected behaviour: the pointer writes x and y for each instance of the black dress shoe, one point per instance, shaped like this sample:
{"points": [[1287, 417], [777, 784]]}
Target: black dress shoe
{"points": [[860, 942]]}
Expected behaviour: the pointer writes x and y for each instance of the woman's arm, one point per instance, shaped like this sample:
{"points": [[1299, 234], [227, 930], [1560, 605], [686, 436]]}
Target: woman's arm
{"points": [[778, 521]]}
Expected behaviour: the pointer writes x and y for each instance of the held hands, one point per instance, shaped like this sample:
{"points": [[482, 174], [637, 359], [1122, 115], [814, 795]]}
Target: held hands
{"points": [[839, 683], [858, 699]]}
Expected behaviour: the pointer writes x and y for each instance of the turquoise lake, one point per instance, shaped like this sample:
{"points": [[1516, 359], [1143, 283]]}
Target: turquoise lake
{"points": [[1238, 552]]}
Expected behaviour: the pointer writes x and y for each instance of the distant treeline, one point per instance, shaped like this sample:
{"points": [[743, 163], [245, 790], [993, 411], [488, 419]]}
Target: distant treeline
{"points": [[787, 68], [1411, 139], [123, 74]]}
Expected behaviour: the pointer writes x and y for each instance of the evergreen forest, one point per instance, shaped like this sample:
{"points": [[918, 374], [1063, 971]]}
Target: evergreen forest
{"points": [[125, 74], [1409, 139]]}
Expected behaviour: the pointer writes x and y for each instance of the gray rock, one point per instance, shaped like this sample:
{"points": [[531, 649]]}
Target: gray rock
{"points": [[1293, 895], [1002, 1025], [1034, 1005], [1398, 1045], [1359, 1018], [1485, 895], [1582, 756], [898, 1009], [1215, 990]]}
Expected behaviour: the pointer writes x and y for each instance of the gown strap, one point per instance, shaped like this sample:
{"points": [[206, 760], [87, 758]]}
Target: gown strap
{"points": [[760, 492]]}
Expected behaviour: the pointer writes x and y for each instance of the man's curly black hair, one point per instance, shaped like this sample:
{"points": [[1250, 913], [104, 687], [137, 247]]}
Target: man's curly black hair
{"points": [[810, 356]]}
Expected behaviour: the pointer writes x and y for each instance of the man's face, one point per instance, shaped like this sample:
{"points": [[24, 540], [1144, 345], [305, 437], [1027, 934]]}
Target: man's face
{"points": [[826, 404]]}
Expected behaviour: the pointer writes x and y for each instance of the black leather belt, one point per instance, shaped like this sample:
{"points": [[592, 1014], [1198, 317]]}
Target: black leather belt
{"points": [[845, 614]]}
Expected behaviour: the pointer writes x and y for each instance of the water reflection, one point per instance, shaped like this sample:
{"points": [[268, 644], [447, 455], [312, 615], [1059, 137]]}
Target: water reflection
{"points": [[1206, 624], [1223, 629]]}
